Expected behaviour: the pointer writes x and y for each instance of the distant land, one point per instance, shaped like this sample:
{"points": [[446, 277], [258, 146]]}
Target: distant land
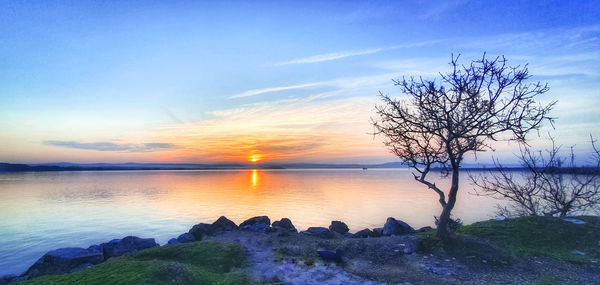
{"points": [[67, 166]]}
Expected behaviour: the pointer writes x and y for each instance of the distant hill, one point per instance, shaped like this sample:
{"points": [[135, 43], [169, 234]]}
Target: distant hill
{"points": [[68, 166]]}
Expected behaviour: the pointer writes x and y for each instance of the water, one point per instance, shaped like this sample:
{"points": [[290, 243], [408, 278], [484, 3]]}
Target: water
{"points": [[42, 211]]}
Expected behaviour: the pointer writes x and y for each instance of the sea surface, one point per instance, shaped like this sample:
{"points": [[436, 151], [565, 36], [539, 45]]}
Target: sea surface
{"points": [[42, 211]]}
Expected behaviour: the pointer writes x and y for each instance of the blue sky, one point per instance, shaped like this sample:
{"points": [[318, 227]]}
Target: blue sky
{"points": [[177, 81]]}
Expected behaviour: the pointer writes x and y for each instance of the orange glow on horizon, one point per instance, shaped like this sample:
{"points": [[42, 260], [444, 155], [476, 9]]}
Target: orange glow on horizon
{"points": [[255, 157]]}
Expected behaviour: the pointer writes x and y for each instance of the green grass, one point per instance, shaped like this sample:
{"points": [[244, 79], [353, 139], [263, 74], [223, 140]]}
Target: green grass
{"points": [[545, 281], [542, 236], [189, 263]]}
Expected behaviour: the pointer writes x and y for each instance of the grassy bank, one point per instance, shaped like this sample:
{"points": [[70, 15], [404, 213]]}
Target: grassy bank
{"points": [[189, 263], [481, 251], [543, 236]]}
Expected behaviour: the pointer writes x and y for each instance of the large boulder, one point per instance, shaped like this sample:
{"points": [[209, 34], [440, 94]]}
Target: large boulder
{"points": [[338, 227], [258, 227], [118, 247], [319, 232], [64, 260], [256, 220], [223, 224], [284, 225], [200, 230], [183, 238], [186, 237], [377, 232], [256, 224], [7, 279], [395, 227], [363, 234]]}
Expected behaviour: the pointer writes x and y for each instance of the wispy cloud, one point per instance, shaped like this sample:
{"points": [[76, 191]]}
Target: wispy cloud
{"points": [[109, 146], [272, 89], [330, 56], [344, 54], [339, 83]]}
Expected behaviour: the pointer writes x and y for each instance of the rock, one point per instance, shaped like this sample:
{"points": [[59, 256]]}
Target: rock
{"points": [[256, 220], [377, 232], [395, 227], [7, 279], [338, 227], [95, 247], [256, 224], [183, 238], [425, 229], [319, 232], [329, 256], [118, 247], [63, 260], [258, 227], [363, 234], [200, 230], [284, 224], [223, 224], [186, 237]]}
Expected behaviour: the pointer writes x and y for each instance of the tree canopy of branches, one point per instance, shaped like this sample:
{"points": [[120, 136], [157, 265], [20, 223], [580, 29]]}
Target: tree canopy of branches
{"points": [[438, 122], [550, 183]]}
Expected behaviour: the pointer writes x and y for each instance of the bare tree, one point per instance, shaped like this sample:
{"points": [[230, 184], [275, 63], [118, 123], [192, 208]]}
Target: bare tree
{"points": [[549, 184], [440, 122]]}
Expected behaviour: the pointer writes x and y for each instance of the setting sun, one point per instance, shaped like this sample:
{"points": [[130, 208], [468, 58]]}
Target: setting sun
{"points": [[255, 157]]}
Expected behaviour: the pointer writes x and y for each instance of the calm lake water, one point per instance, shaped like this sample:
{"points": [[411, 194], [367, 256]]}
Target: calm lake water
{"points": [[41, 211]]}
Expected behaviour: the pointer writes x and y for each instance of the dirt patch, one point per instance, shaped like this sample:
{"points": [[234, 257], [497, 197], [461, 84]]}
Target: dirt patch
{"points": [[293, 259]]}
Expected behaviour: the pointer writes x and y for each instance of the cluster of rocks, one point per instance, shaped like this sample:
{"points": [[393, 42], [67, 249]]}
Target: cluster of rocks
{"points": [[72, 259], [392, 227]]}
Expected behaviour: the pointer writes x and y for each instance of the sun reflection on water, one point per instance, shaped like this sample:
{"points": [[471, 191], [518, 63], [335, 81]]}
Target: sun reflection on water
{"points": [[254, 178]]}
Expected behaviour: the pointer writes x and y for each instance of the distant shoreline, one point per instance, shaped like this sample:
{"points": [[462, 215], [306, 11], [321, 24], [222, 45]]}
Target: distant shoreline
{"points": [[13, 167]]}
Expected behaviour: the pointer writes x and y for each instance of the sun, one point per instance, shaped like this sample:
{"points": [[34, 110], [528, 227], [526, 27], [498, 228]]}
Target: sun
{"points": [[255, 157]]}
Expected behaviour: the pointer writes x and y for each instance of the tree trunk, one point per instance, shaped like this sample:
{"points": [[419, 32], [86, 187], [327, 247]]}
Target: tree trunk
{"points": [[443, 230], [563, 213]]}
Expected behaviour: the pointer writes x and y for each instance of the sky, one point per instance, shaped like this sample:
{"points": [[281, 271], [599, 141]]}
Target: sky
{"points": [[276, 81]]}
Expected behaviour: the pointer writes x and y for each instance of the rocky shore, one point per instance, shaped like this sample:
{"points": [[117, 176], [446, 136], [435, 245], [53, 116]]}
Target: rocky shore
{"points": [[73, 259], [396, 253]]}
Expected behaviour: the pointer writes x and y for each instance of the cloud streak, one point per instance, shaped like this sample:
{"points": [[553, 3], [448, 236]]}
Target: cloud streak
{"points": [[330, 56], [272, 89], [344, 54], [340, 83], [109, 146]]}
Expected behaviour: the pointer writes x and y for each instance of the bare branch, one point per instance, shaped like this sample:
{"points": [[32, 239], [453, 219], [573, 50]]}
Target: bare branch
{"points": [[462, 112]]}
